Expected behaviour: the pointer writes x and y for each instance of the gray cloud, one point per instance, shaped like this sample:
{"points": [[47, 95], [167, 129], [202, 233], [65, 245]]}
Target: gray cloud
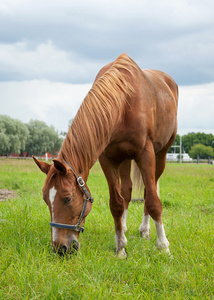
{"points": [[82, 36]]}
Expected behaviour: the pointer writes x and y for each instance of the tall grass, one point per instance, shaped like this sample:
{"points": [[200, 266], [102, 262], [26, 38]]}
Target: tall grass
{"points": [[30, 270]]}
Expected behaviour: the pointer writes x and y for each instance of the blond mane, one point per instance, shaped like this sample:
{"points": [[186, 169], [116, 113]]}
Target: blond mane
{"points": [[102, 108]]}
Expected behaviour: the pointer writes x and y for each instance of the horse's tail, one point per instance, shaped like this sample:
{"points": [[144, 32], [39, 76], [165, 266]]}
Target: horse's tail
{"points": [[138, 185]]}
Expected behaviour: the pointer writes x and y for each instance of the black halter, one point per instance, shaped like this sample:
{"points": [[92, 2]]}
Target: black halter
{"points": [[87, 197]]}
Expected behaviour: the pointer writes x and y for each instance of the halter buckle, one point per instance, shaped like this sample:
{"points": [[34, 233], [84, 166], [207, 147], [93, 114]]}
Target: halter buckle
{"points": [[80, 181], [79, 228]]}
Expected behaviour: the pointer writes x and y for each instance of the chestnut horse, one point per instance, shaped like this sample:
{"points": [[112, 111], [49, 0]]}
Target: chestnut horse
{"points": [[128, 114]]}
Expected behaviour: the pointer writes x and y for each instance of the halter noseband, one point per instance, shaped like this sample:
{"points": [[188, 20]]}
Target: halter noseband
{"points": [[87, 197]]}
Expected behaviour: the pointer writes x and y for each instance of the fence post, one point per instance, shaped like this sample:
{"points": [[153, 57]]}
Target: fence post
{"points": [[180, 149], [198, 158]]}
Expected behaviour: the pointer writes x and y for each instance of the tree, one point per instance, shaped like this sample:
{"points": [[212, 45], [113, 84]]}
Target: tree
{"points": [[201, 150], [4, 143], [192, 138], [13, 135], [33, 138], [42, 139]]}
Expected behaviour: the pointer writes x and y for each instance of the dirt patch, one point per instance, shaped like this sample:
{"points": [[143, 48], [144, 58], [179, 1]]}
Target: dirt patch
{"points": [[6, 194]]}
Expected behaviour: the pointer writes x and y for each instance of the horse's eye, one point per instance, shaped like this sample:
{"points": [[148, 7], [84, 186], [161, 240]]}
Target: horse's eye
{"points": [[68, 199]]}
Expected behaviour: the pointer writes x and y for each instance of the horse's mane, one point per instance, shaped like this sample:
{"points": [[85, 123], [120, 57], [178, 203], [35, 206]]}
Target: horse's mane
{"points": [[102, 108]]}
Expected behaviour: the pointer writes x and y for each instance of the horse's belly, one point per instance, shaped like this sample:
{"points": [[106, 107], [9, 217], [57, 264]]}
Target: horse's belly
{"points": [[120, 151]]}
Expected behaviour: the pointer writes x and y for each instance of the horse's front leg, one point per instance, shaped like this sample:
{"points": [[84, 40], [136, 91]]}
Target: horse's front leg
{"points": [[117, 210], [145, 225], [126, 188], [111, 171]]}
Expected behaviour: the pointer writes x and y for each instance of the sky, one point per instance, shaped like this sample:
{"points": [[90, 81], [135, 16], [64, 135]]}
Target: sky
{"points": [[51, 51]]}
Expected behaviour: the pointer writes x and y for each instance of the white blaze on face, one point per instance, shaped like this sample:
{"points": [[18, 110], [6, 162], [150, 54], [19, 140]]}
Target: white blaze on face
{"points": [[52, 194]]}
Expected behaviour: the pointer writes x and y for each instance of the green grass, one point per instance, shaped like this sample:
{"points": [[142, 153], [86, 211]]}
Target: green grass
{"points": [[30, 270]]}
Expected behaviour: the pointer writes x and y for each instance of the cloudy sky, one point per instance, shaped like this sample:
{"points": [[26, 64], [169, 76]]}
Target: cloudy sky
{"points": [[51, 51]]}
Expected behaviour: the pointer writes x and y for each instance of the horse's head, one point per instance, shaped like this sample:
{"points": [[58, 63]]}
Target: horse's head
{"points": [[68, 205]]}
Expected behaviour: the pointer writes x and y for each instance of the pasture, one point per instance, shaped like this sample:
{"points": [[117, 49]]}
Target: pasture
{"points": [[30, 270]]}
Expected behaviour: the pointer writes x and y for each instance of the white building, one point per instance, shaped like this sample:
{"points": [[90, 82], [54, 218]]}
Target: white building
{"points": [[175, 157]]}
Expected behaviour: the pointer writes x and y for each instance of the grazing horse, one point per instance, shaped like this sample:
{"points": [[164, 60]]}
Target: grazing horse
{"points": [[128, 114]]}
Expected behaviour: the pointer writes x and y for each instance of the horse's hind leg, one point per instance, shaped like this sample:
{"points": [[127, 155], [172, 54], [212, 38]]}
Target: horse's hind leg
{"points": [[126, 188], [111, 172], [160, 166], [147, 165], [145, 225]]}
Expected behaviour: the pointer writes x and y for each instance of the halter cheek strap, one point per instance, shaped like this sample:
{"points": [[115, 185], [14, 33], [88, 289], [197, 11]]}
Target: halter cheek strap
{"points": [[87, 197]]}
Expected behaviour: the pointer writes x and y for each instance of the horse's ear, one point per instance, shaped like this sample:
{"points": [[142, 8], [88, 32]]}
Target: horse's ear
{"points": [[61, 167], [44, 167]]}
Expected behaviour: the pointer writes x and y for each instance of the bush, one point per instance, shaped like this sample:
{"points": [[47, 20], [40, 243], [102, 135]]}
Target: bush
{"points": [[201, 150]]}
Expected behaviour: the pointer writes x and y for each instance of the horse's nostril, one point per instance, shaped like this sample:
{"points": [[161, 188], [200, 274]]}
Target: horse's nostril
{"points": [[62, 250], [75, 246]]}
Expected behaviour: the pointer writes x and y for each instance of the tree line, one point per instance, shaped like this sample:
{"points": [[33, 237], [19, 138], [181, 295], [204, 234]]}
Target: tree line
{"points": [[195, 144], [34, 138]]}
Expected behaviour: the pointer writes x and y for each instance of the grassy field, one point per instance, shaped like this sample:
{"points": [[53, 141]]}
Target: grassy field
{"points": [[29, 269]]}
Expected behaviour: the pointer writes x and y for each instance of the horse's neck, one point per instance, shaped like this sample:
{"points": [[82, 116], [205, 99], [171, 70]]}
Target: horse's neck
{"points": [[98, 116], [75, 155]]}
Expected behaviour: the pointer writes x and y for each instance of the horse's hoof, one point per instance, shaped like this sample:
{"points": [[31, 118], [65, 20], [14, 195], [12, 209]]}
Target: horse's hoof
{"points": [[164, 250], [122, 254], [145, 235], [167, 252]]}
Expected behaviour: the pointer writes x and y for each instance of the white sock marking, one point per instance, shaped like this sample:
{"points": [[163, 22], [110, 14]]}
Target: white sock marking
{"points": [[121, 241], [162, 241], [145, 226]]}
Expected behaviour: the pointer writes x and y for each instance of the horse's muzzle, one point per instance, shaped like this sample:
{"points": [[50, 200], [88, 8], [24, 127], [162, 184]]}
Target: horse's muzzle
{"points": [[65, 249]]}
